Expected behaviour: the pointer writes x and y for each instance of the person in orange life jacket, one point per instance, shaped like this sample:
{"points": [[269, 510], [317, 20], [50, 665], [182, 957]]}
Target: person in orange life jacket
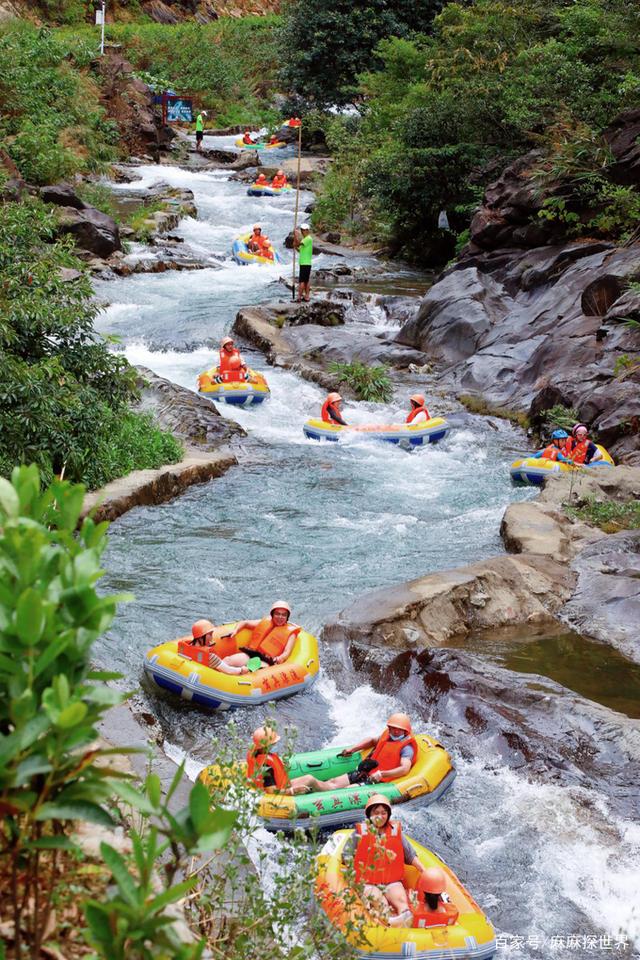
{"points": [[418, 411], [379, 853], [247, 137], [279, 180], [261, 181], [265, 768], [331, 412], [273, 638], [555, 450], [274, 138], [258, 243], [431, 910], [580, 448], [202, 633], [231, 362], [393, 755]]}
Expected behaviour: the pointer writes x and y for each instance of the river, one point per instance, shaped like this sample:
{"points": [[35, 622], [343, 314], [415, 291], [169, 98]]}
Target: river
{"points": [[320, 524]]}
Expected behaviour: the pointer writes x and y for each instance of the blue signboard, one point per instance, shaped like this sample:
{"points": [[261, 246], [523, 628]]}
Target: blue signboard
{"points": [[174, 109]]}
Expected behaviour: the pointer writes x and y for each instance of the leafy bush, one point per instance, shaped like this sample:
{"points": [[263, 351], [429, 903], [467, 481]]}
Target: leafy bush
{"points": [[368, 383], [559, 417], [130, 442], [610, 515]]}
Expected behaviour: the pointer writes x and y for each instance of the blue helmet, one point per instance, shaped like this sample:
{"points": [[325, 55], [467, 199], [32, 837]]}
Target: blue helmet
{"points": [[559, 435]]}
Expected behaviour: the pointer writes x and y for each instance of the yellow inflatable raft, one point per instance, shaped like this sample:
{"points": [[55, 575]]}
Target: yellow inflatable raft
{"points": [[429, 778], [533, 471], [239, 393], [472, 936], [183, 669], [404, 434]]}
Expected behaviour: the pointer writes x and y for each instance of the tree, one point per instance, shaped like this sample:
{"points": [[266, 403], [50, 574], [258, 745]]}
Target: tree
{"points": [[326, 45]]}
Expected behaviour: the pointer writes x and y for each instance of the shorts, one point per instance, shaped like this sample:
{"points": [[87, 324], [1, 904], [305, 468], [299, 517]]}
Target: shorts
{"points": [[199, 136], [357, 776], [263, 656], [305, 273]]}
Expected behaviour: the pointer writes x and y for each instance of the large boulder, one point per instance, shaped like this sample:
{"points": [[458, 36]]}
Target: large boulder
{"points": [[62, 195], [623, 137], [91, 230]]}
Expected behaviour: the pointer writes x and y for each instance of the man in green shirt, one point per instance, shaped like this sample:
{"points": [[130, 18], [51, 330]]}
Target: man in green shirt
{"points": [[200, 129], [303, 242]]}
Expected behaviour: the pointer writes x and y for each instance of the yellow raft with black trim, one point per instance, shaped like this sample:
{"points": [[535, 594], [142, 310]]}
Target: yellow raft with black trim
{"points": [[239, 393], [533, 471], [182, 674], [403, 434], [429, 778], [472, 936]]}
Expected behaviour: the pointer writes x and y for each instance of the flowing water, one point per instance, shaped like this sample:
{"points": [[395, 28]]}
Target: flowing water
{"points": [[320, 524]]}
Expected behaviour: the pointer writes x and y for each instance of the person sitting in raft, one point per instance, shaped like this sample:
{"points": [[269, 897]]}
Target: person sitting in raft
{"points": [[379, 853], [556, 449], [279, 181], [418, 411], [393, 755], [265, 768], [261, 181], [331, 410], [258, 243], [273, 637], [202, 633], [580, 448], [274, 138], [231, 367], [246, 138], [431, 910]]}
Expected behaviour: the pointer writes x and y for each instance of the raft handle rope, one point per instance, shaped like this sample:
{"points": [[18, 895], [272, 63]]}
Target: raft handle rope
{"points": [[295, 216], [309, 662]]}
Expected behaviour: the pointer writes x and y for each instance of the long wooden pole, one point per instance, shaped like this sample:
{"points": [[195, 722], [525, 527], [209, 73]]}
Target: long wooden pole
{"points": [[295, 215]]}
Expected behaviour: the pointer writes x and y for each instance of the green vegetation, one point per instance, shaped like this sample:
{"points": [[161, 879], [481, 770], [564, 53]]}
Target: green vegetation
{"points": [[64, 397], [481, 406], [610, 515], [51, 122], [368, 383], [559, 417], [445, 113]]}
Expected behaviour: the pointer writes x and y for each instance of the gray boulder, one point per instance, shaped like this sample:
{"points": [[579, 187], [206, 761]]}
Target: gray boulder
{"points": [[91, 230]]}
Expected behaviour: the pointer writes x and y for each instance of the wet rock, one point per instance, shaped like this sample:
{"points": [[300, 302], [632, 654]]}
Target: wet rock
{"points": [[606, 601], [623, 137], [441, 607], [62, 195], [91, 229]]}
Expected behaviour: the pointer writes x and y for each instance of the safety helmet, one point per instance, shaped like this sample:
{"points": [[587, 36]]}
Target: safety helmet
{"points": [[225, 341], [265, 737], [400, 720], [432, 880], [559, 435], [257, 226], [334, 398], [577, 427], [280, 605], [581, 430], [417, 398], [374, 800], [201, 628]]}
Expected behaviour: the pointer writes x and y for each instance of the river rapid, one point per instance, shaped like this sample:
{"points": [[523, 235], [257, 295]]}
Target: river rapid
{"points": [[320, 524]]}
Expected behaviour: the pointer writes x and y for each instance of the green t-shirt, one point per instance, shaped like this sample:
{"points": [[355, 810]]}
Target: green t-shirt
{"points": [[305, 250], [199, 123]]}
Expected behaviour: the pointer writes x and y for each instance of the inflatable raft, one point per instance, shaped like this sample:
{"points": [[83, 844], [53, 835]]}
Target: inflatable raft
{"points": [[430, 776], [259, 146], [259, 191], [471, 936], [404, 434], [533, 472], [241, 253], [239, 393], [182, 669]]}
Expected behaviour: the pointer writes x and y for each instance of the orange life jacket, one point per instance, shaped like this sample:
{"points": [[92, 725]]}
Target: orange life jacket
{"points": [[444, 916], [247, 138], [379, 857], [196, 653], [278, 182], [327, 407], [579, 450], [414, 413], [256, 763], [261, 181], [269, 639], [551, 452], [230, 368], [387, 753]]}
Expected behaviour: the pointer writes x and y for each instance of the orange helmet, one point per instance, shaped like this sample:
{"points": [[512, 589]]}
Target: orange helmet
{"points": [[265, 737], [432, 880], [201, 628], [334, 397], [280, 605], [400, 720], [374, 800], [257, 226], [417, 398], [225, 341]]}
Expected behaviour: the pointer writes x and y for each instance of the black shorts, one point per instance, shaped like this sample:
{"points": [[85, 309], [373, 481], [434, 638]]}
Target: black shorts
{"points": [[199, 136], [305, 273], [263, 656]]}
